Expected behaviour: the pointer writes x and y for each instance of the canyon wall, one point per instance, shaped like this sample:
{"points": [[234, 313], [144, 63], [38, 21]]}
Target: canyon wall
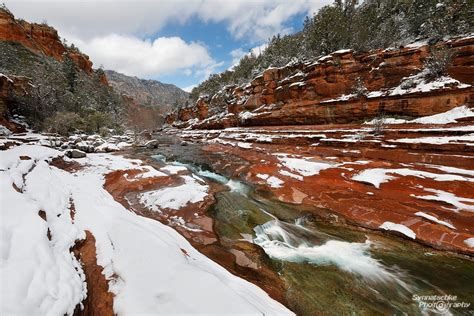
{"points": [[40, 38], [44, 77], [343, 87], [9, 85]]}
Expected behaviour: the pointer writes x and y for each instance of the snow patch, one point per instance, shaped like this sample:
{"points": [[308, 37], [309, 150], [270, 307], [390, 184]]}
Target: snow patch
{"points": [[171, 169], [272, 181], [175, 197], [440, 140], [434, 219], [378, 176], [291, 175], [469, 242], [450, 198], [244, 145], [418, 83], [275, 182], [150, 267], [398, 228], [446, 117], [304, 166]]}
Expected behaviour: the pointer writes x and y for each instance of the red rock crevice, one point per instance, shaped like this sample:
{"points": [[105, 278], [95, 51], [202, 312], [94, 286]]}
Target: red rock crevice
{"points": [[99, 300]]}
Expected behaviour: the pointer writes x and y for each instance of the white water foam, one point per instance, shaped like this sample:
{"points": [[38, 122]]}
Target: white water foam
{"points": [[211, 175], [233, 185], [279, 243]]}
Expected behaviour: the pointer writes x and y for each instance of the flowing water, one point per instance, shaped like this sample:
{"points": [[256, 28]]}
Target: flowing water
{"points": [[328, 269]]}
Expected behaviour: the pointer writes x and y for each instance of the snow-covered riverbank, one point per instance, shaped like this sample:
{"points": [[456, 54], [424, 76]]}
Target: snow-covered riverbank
{"points": [[149, 267]]}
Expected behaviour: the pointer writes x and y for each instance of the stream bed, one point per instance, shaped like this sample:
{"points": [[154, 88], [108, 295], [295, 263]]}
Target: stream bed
{"points": [[327, 268]]}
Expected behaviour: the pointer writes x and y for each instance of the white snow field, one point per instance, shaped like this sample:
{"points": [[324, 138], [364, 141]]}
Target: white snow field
{"points": [[148, 271]]}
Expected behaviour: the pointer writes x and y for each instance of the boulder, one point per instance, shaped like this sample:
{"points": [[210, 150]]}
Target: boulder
{"points": [[97, 143], [4, 131], [85, 146], [75, 153], [152, 144]]}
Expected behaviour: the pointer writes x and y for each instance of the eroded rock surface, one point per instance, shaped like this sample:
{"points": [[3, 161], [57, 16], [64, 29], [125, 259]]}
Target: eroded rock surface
{"points": [[419, 176], [342, 87], [192, 220]]}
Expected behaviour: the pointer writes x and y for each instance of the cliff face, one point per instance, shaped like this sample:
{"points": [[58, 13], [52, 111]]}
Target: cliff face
{"points": [[39, 38], [9, 85], [300, 132], [47, 78], [343, 87], [147, 92]]}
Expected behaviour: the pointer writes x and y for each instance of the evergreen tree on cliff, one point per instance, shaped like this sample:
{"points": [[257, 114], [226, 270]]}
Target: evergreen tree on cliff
{"points": [[70, 72], [346, 24]]}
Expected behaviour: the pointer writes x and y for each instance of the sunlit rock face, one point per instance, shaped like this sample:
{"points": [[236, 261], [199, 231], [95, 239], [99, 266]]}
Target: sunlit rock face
{"points": [[342, 87], [40, 38], [413, 179]]}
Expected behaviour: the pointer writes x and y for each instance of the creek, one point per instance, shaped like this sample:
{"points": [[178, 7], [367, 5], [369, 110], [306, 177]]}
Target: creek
{"points": [[327, 268]]}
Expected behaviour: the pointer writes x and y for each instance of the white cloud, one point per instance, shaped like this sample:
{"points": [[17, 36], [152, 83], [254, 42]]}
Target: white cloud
{"points": [[238, 53], [114, 32], [205, 72], [145, 58], [189, 88], [257, 50], [257, 20], [245, 19]]}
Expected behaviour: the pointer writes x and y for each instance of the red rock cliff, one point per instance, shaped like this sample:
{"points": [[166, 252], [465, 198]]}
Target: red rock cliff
{"points": [[39, 38], [323, 91], [8, 85]]}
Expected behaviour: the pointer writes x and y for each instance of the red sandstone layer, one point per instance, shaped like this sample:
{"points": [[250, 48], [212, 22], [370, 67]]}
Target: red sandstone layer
{"points": [[39, 38], [425, 169], [322, 92]]}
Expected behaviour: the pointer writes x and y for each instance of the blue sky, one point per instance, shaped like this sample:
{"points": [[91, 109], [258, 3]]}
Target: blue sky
{"points": [[214, 36], [218, 41], [174, 41]]}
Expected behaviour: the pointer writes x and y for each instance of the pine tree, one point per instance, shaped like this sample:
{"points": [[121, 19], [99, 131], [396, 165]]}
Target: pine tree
{"points": [[70, 72]]}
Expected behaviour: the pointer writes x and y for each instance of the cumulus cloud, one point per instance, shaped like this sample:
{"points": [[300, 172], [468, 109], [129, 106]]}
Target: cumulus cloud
{"points": [[248, 19], [257, 50], [145, 58], [114, 32], [189, 88], [238, 53]]}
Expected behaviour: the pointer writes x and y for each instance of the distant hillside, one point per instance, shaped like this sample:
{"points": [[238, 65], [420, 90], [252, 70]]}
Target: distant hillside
{"points": [[147, 92]]}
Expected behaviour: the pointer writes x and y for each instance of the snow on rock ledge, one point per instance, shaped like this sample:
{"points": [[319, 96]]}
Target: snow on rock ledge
{"points": [[192, 191], [398, 228], [441, 118], [150, 268]]}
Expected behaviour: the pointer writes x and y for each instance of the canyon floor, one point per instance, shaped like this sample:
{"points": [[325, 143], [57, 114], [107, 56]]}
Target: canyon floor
{"points": [[328, 220]]}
